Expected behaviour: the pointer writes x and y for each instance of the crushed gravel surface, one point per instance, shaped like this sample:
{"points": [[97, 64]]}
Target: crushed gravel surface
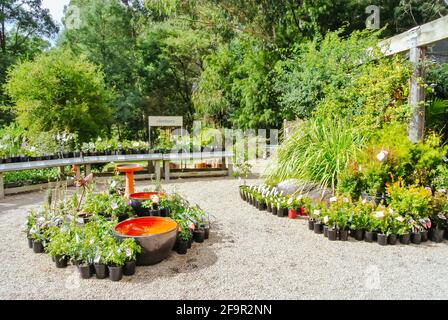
{"points": [[250, 255]]}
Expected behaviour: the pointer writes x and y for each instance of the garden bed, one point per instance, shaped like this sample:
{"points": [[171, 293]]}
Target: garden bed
{"points": [[410, 215], [84, 229]]}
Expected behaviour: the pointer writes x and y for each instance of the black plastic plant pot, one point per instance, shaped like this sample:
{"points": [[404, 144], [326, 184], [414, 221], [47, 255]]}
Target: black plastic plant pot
{"points": [[436, 235], [416, 237], [189, 242], [129, 268], [85, 271], [206, 232], [274, 210], [123, 217], [332, 234], [115, 273], [358, 234], [326, 231], [375, 236], [382, 239], [424, 235], [182, 246], [60, 261], [101, 271], [368, 236], [269, 208], [405, 238], [199, 235], [343, 235], [38, 247], [30, 243], [282, 212], [262, 206], [311, 224], [164, 212], [154, 213], [392, 239], [318, 228]]}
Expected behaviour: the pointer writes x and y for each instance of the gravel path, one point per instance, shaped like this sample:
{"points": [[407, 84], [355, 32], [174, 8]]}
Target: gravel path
{"points": [[251, 255]]}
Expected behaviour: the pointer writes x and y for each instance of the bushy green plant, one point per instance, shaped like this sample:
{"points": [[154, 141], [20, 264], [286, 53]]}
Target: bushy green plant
{"points": [[131, 249], [360, 216], [412, 201], [317, 151], [59, 246], [59, 91]]}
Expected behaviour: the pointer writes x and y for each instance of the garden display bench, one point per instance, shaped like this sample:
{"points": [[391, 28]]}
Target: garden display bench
{"points": [[155, 160]]}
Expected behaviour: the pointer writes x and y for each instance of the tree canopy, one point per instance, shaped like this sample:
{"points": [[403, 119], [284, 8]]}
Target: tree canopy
{"points": [[60, 92]]}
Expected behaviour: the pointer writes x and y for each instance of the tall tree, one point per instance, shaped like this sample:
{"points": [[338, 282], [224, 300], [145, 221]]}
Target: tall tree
{"points": [[24, 26]]}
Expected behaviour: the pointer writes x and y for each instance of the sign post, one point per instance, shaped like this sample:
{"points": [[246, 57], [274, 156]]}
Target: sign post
{"points": [[164, 122]]}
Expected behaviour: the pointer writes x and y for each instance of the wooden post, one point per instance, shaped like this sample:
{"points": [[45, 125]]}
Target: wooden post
{"points": [[87, 169], [2, 187], [61, 172], [417, 95], [78, 173], [166, 165], [150, 166], [157, 170]]}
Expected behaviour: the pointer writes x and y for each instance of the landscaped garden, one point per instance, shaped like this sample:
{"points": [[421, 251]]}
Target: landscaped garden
{"points": [[84, 228], [335, 123]]}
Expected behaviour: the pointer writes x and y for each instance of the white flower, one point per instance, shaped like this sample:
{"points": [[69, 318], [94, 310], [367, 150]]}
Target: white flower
{"points": [[346, 200], [379, 214], [391, 211], [299, 197], [155, 198], [333, 199], [290, 200], [316, 212], [399, 218], [325, 219], [382, 155], [364, 201], [114, 205]]}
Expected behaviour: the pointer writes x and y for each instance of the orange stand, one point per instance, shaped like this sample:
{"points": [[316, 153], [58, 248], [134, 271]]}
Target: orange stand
{"points": [[129, 170]]}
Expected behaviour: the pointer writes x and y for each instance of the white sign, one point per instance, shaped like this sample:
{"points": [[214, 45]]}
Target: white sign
{"points": [[165, 121]]}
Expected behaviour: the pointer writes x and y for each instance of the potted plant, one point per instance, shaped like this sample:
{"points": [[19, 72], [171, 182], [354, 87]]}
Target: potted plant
{"points": [[317, 215], [131, 248], [292, 208], [439, 217], [404, 232], [282, 207], [59, 248], [30, 225], [329, 221], [371, 226], [384, 228], [99, 263], [359, 221], [342, 224], [116, 259], [152, 206], [183, 237]]}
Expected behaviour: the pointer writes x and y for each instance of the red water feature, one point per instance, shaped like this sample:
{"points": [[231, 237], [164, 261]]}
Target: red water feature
{"points": [[145, 195], [146, 226]]}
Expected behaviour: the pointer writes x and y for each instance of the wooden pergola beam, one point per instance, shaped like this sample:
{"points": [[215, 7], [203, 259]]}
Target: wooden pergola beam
{"points": [[416, 41], [420, 36]]}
